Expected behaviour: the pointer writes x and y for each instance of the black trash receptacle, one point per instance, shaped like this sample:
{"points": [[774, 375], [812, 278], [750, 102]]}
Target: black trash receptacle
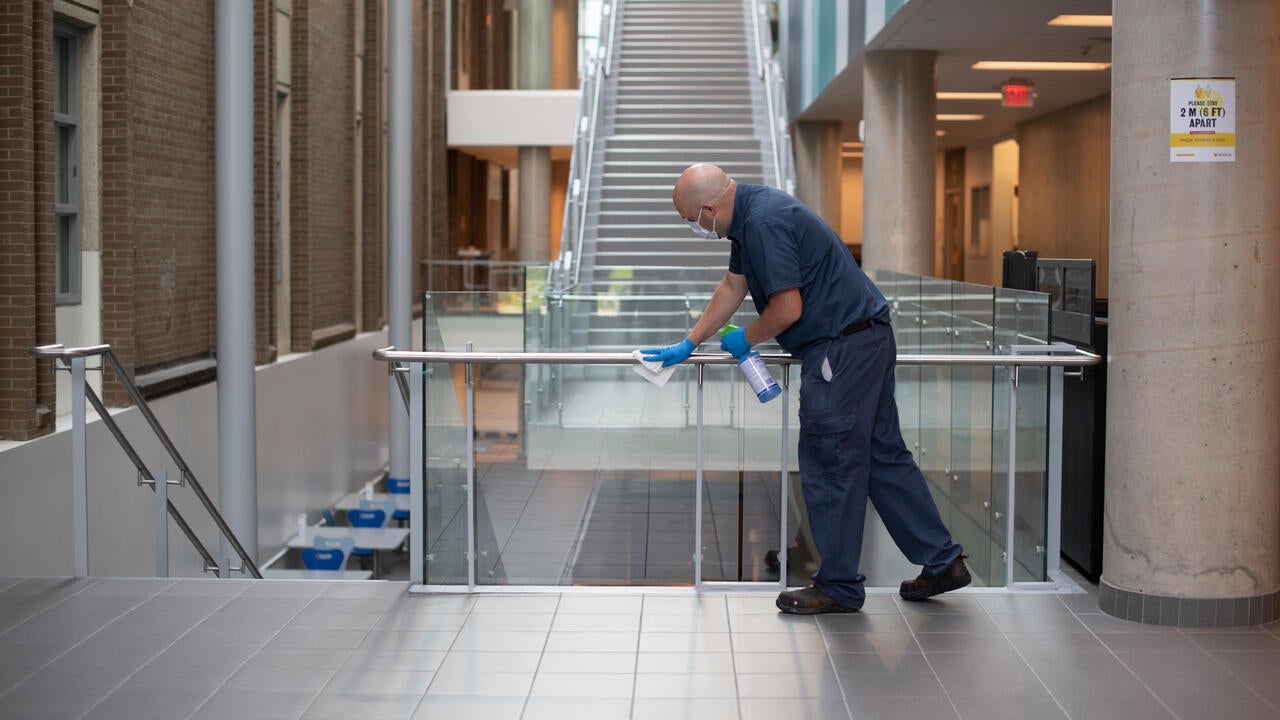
{"points": [[1084, 444], [1075, 317]]}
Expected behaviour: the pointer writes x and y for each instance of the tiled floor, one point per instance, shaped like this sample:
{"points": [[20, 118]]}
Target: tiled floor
{"points": [[145, 648]]}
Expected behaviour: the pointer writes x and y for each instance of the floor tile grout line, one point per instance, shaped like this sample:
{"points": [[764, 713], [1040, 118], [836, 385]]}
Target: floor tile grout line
{"points": [[635, 676], [273, 636], [83, 640], [927, 661], [831, 663], [733, 655], [1039, 679], [41, 611], [152, 659], [475, 600], [524, 708], [1123, 664], [245, 662], [1249, 687]]}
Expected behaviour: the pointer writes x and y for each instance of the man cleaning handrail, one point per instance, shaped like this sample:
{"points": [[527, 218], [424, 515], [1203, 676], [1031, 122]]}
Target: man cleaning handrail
{"points": [[812, 296]]}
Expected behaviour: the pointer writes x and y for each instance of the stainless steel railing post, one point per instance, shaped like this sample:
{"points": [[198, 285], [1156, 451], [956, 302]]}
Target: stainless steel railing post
{"points": [[80, 469]]}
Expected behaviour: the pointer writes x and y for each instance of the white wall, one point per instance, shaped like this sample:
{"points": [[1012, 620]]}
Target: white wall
{"points": [[484, 117], [322, 425], [80, 324]]}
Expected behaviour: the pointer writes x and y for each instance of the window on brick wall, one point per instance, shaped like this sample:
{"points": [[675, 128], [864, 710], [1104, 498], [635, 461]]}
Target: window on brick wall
{"points": [[66, 153]]}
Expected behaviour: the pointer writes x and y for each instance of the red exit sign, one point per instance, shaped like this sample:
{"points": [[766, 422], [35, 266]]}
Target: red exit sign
{"points": [[1018, 95]]}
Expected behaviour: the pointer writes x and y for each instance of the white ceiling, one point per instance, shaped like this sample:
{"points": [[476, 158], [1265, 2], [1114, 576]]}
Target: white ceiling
{"points": [[966, 31]]}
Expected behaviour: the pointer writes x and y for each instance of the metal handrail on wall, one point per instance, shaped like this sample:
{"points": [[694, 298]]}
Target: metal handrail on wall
{"points": [[73, 359], [411, 365]]}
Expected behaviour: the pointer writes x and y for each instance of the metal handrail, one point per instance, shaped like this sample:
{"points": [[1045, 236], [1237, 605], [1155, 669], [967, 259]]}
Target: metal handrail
{"points": [[770, 75], [59, 352], [583, 159], [1079, 358]]}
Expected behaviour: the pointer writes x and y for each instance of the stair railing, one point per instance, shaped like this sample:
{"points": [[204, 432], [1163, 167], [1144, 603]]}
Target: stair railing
{"points": [[73, 360], [769, 71], [566, 270]]}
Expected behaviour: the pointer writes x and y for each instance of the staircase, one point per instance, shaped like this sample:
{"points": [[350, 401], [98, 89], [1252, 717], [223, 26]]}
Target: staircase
{"points": [[681, 91]]}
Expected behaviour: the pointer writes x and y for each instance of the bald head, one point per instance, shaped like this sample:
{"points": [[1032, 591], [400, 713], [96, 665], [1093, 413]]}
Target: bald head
{"points": [[700, 184], [703, 194]]}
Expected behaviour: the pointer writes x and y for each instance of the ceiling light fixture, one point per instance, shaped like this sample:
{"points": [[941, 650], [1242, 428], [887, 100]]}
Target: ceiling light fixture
{"points": [[1082, 21], [959, 117], [1015, 65], [968, 96]]}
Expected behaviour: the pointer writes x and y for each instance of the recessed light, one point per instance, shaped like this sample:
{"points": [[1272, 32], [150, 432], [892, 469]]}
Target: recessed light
{"points": [[958, 117], [1007, 65], [968, 96], [1082, 21]]}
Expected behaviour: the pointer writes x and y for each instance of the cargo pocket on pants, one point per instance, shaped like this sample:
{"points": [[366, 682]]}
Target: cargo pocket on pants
{"points": [[826, 446]]}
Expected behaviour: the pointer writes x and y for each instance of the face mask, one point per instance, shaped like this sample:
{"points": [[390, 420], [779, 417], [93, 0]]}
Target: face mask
{"points": [[702, 232]]}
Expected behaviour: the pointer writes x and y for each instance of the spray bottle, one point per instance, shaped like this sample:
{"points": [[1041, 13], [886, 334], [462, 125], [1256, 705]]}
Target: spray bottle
{"points": [[752, 365]]}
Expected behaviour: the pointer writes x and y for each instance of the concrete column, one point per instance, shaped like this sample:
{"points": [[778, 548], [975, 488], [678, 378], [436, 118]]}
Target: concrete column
{"points": [[533, 227], [818, 176], [399, 217], [1192, 531], [898, 161], [237, 409]]}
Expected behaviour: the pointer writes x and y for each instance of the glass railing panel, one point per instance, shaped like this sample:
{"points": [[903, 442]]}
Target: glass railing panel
{"points": [[445, 472], [903, 293], [742, 474], [490, 321], [973, 308], [1022, 324], [934, 391]]}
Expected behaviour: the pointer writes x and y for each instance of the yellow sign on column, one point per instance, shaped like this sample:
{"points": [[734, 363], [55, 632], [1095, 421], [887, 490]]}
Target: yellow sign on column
{"points": [[1202, 119]]}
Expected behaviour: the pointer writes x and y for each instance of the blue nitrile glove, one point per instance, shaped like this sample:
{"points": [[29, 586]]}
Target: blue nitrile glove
{"points": [[735, 343], [671, 354]]}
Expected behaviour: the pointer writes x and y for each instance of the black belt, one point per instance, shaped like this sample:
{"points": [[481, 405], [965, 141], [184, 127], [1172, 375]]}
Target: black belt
{"points": [[856, 327]]}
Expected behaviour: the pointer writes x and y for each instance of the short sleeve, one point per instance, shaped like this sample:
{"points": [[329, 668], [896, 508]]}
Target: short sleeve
{"points": [[775, 251], [735, 257]]}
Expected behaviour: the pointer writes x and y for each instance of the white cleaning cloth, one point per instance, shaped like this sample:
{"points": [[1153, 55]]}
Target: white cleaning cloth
{"points": [[651, 370]]}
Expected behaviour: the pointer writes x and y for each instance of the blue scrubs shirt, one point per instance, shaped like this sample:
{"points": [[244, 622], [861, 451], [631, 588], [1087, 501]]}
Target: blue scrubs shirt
{"points": [[778, 243]]}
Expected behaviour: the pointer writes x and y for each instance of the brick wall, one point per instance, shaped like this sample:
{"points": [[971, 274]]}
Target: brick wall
{"points": [[331, 126], [374, 179], [158, 183], [158, 237], [431, 202], [322, 171], [26, 217], [264, 181]]}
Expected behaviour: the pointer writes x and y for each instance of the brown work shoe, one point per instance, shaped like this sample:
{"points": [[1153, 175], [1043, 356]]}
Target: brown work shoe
{"points": [[954, 577], [810, 601]]}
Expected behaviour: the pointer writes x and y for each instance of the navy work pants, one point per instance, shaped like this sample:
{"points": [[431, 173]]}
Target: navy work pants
{"points": [[851, 449]]}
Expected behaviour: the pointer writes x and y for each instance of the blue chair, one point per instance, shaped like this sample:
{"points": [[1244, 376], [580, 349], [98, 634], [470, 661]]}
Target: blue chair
{"points": [[346, 544], [314, 558], [327, 515], [398, 486], [371, 519], [388, 507]]}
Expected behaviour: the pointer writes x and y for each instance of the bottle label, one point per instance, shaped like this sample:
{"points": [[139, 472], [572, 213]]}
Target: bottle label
{"points": [[757, 375]]}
